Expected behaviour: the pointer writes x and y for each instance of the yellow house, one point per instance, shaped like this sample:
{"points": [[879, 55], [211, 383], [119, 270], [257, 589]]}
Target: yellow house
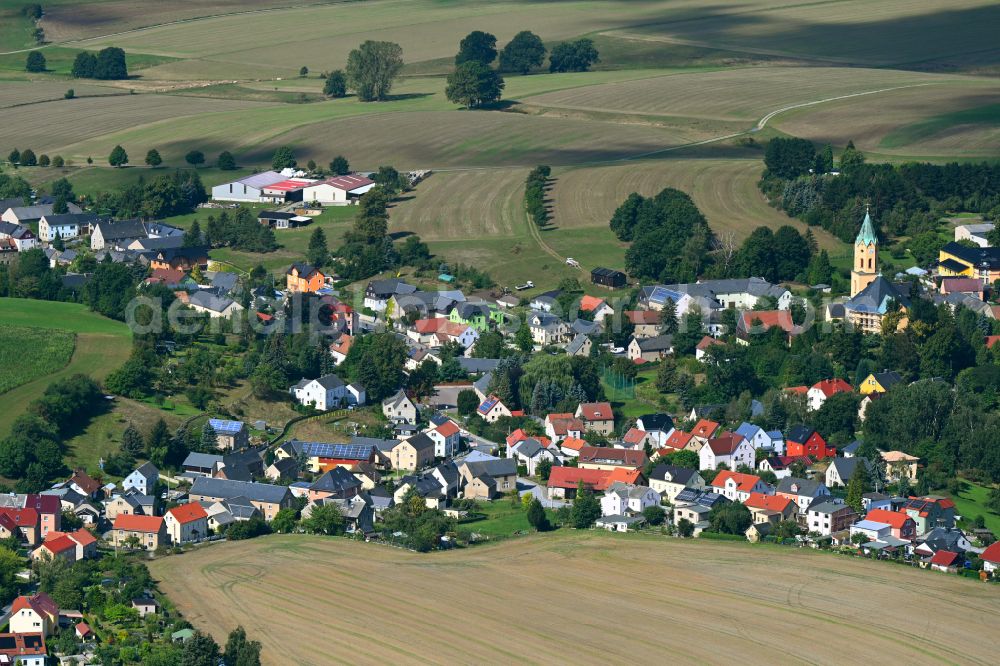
{"points": [[957, 260], [879, 382]]}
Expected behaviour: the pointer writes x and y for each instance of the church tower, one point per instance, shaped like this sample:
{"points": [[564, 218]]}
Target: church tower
{"points": [[865, 268]]}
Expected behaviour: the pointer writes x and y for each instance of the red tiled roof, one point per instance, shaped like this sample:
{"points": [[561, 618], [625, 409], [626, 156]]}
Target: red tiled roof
{"points": [[41, 603], [439, 326], [961, 286], [634, 436], [570, 477], [347, 183], [991, 340], [945, 558], [744, 482], [573, 443], [19, 517], [707, 341], [623, 475], [343, 345], [799, 390], [831, 386], [518, 435], [596, 411], [82, 628], [59, 544], [640, 317], [138, 523], [768, 502], [704, 428], [598, 454], [678, 439], [894, 519], [82, 537], [563, 426], [82, 479], [590, 303], [769, 319], [448, 428], [188, 513], [725, 444], [991, 554]]}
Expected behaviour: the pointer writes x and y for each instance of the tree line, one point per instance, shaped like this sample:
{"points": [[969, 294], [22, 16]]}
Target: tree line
{"points": [[906, 200], [534, 195], [28, 158]]}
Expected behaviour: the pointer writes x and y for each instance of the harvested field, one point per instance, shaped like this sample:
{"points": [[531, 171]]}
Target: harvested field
{"points": [[725, 191], [70, 121], [901, 32], [946, 120], [18, 93], [728, 95], [471, 205], [314, 600]]}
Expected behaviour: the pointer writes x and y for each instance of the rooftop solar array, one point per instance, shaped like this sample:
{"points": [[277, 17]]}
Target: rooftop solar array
{"points": [[344, 451], [225, 427]]}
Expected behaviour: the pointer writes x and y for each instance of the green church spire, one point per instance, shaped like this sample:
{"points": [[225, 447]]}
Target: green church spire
{"points": [[867, 234]]}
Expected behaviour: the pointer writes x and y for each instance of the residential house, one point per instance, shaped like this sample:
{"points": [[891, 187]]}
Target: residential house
{"points": [[267, 498], [802, 440], [620, 523], [622, 499], [879, 382], [874, 530], [767, 508], [23, 649], [335, 483], [64, 225], [143, 479], [728, 448], [55, 547], [930, 512], [645, 323], [378, 292], [340, 348], [530, 452], [547, 328], [337, 190], [701, 349], [564, 482], [840, 471], [899, 465], [545, 301], [186, 523], [398, 408], [15, 238], [991, 558], [447, 437], [488, 479], [823, 389], [215, 306], [650, 350], [597, 417], [327, 392], [943, 538], [230, 435], [580, 345], [571, 446], [781, 466], [147, 532], [695, 506], [282, 469], [182, 258], [476, 315], [201, 464], [130, 503], [658, 428], [82, 545], [116, 235], [758, 322], [874, 500], [670, 480], [37, 614], [703, 430], [830, 516], [301, 278], [767, 442], [493, 409], [758, 531], [594, 457], [427, 486], [737, 487], [414, 453], [438, 331], [559, 426], [597, 307], [946, 561], [801, 491], [679, 440], [901, 525], [145, 606], [82, 483]]}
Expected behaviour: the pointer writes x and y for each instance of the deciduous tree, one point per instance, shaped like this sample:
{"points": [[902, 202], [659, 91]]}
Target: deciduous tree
{"points": [[523, 53], [372, 68]]}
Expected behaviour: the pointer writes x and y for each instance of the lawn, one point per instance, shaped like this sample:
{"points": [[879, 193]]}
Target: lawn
{"points": [[502, 520], [299, 595], [101, 346], [971, 502], [46, 351], [632, 404]]}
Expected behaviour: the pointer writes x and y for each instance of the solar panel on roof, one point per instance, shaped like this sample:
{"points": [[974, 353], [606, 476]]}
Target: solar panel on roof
{"points": [[343, 451], [223, 426]]}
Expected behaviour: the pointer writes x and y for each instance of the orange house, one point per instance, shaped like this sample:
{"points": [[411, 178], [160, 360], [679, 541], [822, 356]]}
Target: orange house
{"points": [[304, 279]]}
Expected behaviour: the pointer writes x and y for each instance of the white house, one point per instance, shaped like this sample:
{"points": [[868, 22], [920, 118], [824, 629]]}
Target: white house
{"points": [[732, 449], [325, 393], [821, 390], [759, 438], [875, 531], [66, 225], [186, 523], [23, 237], [248, 189], [738, 487], [337, 191], [830, 516], [492, 409], [143, 479], [446, 438], [530, 452], [212, 304], [621, 499], [669, 480], [399, 408]]}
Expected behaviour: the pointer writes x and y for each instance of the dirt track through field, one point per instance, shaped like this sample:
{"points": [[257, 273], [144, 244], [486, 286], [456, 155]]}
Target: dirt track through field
{"points": [[579, 598]]}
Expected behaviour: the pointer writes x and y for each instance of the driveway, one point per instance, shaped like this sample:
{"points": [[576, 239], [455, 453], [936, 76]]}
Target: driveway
{"points": [[529, 487]]}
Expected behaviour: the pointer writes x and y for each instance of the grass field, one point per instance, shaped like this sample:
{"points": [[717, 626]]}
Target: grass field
{"points": [[545, 599], [971, 502], [101, 346], [27, 353]]}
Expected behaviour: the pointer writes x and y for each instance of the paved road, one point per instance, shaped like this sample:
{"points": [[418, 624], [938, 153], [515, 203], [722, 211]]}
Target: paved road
{"points": [[529, 487]]}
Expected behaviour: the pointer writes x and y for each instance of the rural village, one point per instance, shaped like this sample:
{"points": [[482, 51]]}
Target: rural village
{"points": [[248, 362]]}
